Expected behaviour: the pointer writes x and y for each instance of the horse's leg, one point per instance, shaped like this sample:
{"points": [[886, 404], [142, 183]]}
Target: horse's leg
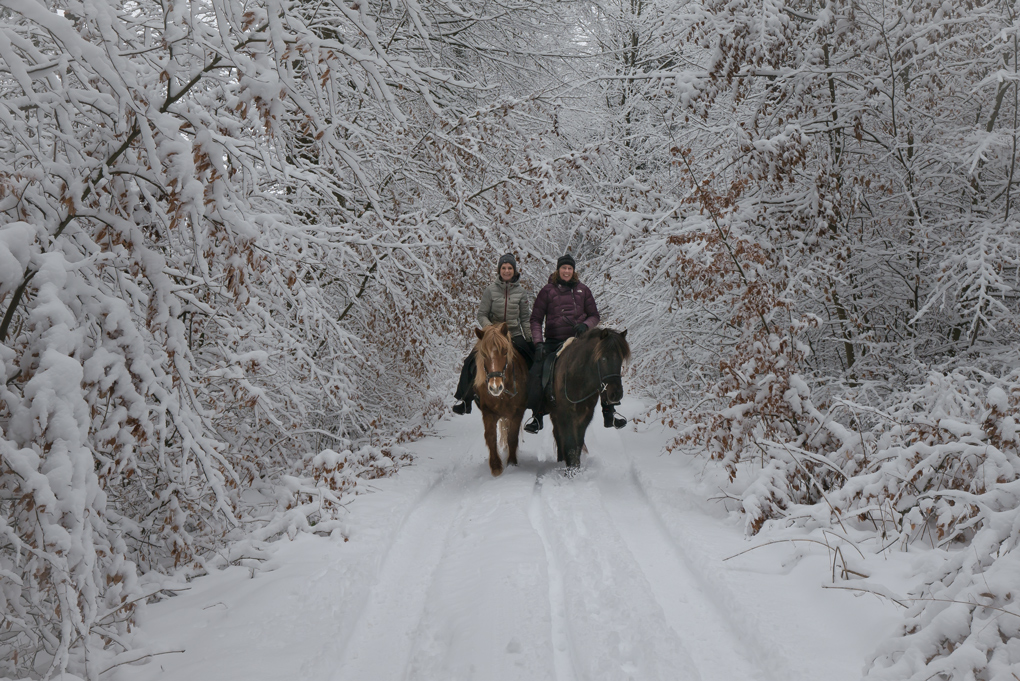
{"points": [[557, 436], [567, 447], [491, 423], [573, 441], [582, 430], [513, 437]]}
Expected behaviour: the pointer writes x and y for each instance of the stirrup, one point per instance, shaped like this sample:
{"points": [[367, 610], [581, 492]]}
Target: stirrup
{"points": [[462, 407], [534, 425]]}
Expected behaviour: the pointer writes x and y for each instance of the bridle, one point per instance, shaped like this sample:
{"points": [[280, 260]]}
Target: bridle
{"points": [[489, 375], [603, 384]]}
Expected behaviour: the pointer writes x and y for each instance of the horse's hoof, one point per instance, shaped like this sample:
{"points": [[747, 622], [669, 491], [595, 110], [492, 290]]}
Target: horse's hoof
{"points": [[496, 472]]}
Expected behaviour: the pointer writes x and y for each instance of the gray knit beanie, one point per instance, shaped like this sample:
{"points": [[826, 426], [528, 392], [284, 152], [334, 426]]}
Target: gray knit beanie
{"points": [[508, 257]]}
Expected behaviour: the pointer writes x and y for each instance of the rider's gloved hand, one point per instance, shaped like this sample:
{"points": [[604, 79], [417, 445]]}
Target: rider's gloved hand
{"points": [[580, 328], [541, 350]]}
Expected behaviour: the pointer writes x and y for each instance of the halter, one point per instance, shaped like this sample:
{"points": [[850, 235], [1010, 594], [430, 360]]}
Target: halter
{"points": [[601, 389]]}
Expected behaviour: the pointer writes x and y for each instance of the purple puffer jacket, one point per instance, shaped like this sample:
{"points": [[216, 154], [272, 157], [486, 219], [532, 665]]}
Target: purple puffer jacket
{"points": [[561, 306]]}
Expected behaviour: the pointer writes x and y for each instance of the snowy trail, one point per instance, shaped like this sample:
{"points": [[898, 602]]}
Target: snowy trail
{"points": [[615, 573]]}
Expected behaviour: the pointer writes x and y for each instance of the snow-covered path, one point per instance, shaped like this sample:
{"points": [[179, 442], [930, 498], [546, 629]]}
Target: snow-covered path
{"points": [[450, 574]]}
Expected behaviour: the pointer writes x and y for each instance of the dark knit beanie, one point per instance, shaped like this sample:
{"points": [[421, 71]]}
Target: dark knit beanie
{"points": [[509, 257], [565, 260]]}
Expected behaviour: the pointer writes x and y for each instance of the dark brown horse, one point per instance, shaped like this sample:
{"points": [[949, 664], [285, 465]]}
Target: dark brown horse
{"points": [[587, 370], [501, 386]]}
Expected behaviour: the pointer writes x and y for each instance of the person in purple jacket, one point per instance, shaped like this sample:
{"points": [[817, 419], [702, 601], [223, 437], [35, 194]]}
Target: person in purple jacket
{"points": [[568, 309]]}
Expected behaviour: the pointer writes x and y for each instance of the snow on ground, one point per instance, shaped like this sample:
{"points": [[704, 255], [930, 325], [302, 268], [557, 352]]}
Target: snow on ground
{"points": [[619, 572]]}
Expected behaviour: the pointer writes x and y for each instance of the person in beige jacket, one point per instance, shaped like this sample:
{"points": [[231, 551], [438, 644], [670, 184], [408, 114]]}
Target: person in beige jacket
{"points": [[504, 300]]}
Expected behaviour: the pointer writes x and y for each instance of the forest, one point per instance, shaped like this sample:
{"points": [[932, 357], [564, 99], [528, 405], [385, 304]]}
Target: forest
{"points": [[241, 244]]}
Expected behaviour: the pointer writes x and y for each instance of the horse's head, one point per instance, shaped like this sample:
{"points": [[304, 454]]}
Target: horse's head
{"points": [[611, 353], [495, 355]]}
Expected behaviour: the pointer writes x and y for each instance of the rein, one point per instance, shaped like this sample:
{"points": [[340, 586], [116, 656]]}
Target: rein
{"points": [[601, 389]]}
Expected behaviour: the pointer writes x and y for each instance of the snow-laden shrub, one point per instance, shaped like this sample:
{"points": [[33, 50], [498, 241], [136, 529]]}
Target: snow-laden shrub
{"points": [[938, 468], [950, 477], [67, 587], [963, 622], [319, 487]]}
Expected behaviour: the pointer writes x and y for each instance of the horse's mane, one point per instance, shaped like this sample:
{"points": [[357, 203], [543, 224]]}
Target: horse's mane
{"points": [[492, 341], [593, 345], [579, 369]]}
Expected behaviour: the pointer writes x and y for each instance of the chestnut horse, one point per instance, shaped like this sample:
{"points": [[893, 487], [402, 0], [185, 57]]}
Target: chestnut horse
{"points": [[501, 386], [589, 368]]}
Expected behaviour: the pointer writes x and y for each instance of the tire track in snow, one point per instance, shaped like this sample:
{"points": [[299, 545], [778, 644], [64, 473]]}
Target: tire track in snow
{"points": [[380, 644], [539, 577], [616, 627], [487, 615], [562, 660], [751, 629], [636, 502], [715, 645]]}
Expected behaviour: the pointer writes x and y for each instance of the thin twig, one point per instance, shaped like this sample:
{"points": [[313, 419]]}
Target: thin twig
{"points": [[139, 659], [780, 541], [857, 588], [976, 605]]}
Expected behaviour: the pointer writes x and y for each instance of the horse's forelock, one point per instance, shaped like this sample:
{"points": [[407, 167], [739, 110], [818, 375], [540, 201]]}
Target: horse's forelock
{"points": [[490, 342], [612, 343], [494, 341]]}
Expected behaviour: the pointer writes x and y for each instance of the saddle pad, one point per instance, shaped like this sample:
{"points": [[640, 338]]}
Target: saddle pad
{"points": [[564, 346]]}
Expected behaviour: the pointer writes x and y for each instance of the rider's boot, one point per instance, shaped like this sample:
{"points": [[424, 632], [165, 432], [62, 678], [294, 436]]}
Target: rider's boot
{"points": [[534, 425], [463, 405], [610, 419]]}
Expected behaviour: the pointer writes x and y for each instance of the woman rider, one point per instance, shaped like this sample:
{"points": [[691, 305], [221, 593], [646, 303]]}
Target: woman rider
{"points": [[504, 300], [568, 309]]}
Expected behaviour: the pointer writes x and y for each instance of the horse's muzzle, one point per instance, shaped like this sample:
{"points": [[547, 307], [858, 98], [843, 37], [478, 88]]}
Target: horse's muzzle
{"points": [[495, 389]]}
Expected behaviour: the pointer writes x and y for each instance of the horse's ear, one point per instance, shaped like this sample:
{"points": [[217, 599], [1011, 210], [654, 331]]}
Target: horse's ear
{"points": [[605, 332], [479, 332], [502, 328], [624, 334]]}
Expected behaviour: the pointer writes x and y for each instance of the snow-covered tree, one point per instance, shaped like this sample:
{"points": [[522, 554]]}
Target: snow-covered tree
{"points": [[234, 243], [840, 238]]}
